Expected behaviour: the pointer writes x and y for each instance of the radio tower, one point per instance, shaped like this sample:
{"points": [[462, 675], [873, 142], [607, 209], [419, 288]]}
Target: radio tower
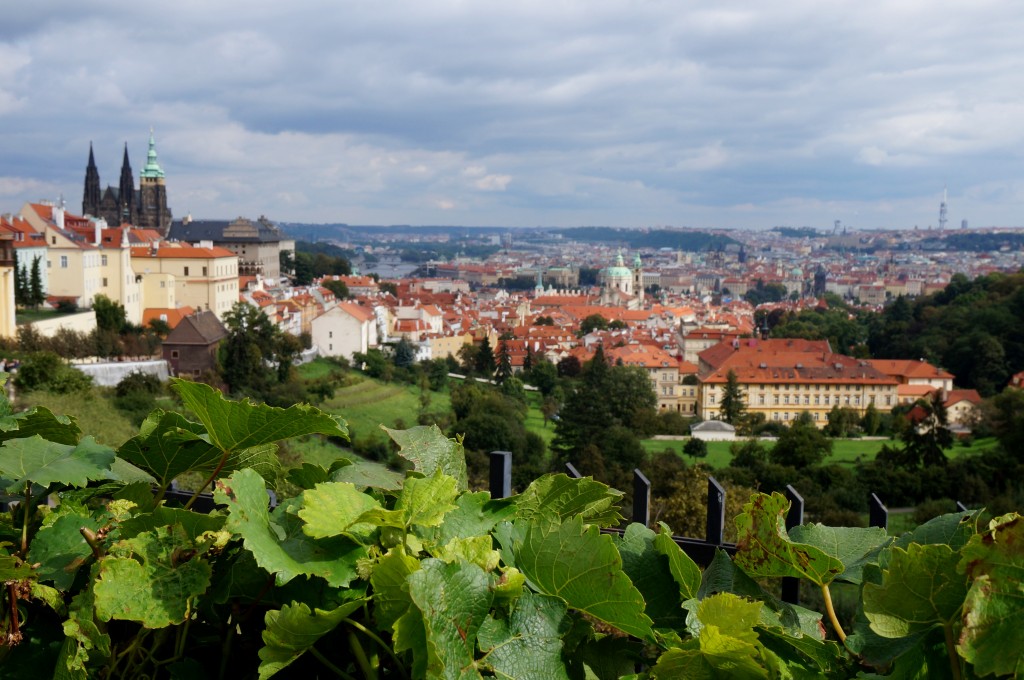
{"points": [[942, 211]]}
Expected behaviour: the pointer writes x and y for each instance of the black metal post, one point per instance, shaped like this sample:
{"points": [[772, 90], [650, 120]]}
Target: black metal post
{"points": [[878, 514], [500, 479], [641, 498], [794, 518], [716, 513], [573, 472]]}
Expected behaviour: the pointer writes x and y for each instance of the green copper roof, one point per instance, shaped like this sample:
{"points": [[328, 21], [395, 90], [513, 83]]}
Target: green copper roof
{"points": [[152, 169]]}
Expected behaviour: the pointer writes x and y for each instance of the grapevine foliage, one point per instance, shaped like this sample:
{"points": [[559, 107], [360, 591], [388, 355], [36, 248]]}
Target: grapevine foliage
{"points": [[367, 574]]}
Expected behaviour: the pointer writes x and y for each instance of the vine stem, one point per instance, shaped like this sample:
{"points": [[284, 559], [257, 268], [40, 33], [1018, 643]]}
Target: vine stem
{"points": [[24, 524], [383, 645], [323, 659], [14, 636], [954, 660], [209, 480], [360, 654], [832, 613]]}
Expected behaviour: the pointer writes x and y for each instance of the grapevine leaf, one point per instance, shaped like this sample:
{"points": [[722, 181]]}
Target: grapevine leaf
{"points": [[604, 658], [151, 579], [86, 640], [726, 646], [650, 573], [582, 566], [368, 474], [411, 636], [43, 462], [169, 445], [475, 514], [454, 600], [238, 425], [390, 597], [51, 597], [308, 476], [476, 549], [193, 523], [331, 509], [14, 569], [882, 651], [920, 589], [527, 645], [429, 450], [723, 576], [278, 541], [38, 420], [824, 657], [563, 497], [425, 501], [993, 635], [60, 549], [954, 530], [293, 629], [849, 545], [123, 471], [682, 567], [764, 548]]}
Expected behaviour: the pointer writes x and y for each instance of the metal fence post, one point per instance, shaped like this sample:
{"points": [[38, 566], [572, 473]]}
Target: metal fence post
{"points": [[960, 507], [500, 478], [794, 518], [716, 513], [641, 498], [878, 514], [573, 472]]}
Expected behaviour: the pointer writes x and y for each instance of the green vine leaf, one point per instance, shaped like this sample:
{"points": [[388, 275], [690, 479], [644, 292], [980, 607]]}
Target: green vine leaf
{"points": [[453, 601], [726, 645], [85, 641], [764, 548], [527, 645], [425, 501], [583, 567], [332, 508], [151, 578], [430, 451], [59, 548], [277, 540], [169, 445], [43, 462], [684, 570], [193, 523], [650, 572], [390, 596], [238, 425], [37, 420], [293, 629], [920, 589], [993, 635], [475, 514], [563, 497], [850, 545]]}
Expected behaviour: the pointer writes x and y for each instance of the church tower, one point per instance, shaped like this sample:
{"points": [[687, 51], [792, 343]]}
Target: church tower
{"points": [[638, 278], [126, 209], [153, 210], [91, 195]]}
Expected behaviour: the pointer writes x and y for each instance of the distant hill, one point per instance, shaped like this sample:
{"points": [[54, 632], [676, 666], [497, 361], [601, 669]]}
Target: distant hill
{"points": [[693, 241]]}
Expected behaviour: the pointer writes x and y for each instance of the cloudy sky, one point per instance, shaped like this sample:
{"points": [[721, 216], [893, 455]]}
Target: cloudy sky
{"points": [[716, 113]]}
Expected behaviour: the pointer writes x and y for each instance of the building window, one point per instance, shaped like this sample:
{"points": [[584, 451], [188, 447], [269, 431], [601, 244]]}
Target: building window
{"points": [[53, 240], [330, 334], [104, 282], [103, 260], [63, 261], [163, 284], [174, 354], [204, 271], [186, 271]]}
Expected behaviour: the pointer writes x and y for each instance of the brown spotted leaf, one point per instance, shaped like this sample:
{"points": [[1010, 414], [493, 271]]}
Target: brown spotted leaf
{"points": [[764, 548]]}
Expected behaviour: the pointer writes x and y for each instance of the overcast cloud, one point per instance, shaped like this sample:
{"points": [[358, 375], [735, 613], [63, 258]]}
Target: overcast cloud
{"points": [[571, 112]]}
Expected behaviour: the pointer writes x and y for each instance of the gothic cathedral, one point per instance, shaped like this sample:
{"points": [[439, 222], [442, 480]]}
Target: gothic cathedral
{"points": [[145, 208]]}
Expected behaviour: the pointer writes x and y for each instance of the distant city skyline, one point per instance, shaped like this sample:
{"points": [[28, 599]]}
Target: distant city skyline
{"points": [[717, 115]]}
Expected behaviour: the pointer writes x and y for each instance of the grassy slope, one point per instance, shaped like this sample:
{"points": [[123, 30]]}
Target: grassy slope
{"points": [[93, 409]]}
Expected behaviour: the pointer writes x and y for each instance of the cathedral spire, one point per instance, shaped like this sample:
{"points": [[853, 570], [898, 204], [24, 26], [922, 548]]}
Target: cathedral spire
{"points": [[126, 195], [91, 195]]}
